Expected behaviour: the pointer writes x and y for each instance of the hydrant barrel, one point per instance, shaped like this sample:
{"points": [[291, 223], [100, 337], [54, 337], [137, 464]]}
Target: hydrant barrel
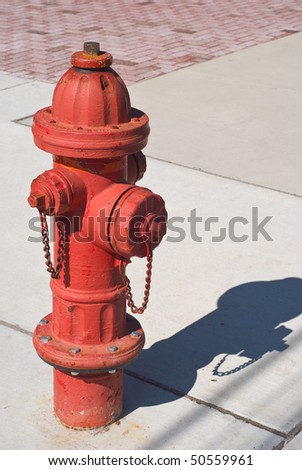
{"points": [[101, 220], [88, 401]]}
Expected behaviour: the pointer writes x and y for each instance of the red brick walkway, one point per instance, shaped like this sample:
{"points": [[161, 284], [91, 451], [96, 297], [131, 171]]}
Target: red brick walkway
{"points": [[146, 37]]}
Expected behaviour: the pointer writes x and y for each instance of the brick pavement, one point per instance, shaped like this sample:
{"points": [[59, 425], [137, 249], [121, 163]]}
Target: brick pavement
{"points": [[146, 37]]}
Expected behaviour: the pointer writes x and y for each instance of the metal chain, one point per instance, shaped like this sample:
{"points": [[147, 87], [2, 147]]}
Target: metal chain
{"points": [[54, 272], [129, 295], [235, 369]]}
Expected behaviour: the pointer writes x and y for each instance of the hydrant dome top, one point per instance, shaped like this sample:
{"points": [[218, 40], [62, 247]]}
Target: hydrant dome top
{"points": [[91, 114]]}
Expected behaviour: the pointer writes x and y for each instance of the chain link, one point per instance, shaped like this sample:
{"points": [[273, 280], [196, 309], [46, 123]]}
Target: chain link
{"points": [[54, 272], [129, 295], [235, 369]]}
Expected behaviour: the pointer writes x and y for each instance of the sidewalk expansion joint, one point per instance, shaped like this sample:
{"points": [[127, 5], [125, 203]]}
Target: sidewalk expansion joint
{"points": [[24, 120], [220, 409], [225, 177], [15, 327], [290, 436], [14, 86]]}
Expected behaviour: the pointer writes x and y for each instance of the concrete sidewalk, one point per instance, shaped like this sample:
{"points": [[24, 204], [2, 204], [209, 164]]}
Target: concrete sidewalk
{"points": [[221, 365]]}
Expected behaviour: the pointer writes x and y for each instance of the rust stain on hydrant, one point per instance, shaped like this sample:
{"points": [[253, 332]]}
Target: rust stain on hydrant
{"points": [[101, 219]]}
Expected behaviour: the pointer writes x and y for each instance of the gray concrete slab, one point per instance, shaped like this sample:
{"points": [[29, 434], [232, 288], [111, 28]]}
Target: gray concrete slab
{"points": [[24, 272], [212, 299], [27, 421], [238, 116], [23, 100]]}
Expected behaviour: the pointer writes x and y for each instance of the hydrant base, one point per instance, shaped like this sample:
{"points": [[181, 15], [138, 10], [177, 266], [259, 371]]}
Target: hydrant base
{"points": [[88, 401]]}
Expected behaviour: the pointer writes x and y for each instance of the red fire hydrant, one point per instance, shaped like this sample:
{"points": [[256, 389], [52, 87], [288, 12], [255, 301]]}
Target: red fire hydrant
{"points": [[101, 220]]}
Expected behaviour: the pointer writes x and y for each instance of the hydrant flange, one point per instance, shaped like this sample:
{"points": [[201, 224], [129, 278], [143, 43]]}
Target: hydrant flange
{"points": [[90, 358], [110, 142]]}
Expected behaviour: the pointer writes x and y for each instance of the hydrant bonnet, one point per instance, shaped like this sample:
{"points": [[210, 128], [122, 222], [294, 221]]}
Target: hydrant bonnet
{"points": [[86, 127]]}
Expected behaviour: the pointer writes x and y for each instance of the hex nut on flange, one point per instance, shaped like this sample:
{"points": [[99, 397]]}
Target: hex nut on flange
{"points": [[135, 334], [74, 350], [46, 339]]}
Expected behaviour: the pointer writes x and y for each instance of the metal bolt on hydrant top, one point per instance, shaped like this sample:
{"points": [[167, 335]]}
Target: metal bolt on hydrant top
{"points": [[101, 220]]}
